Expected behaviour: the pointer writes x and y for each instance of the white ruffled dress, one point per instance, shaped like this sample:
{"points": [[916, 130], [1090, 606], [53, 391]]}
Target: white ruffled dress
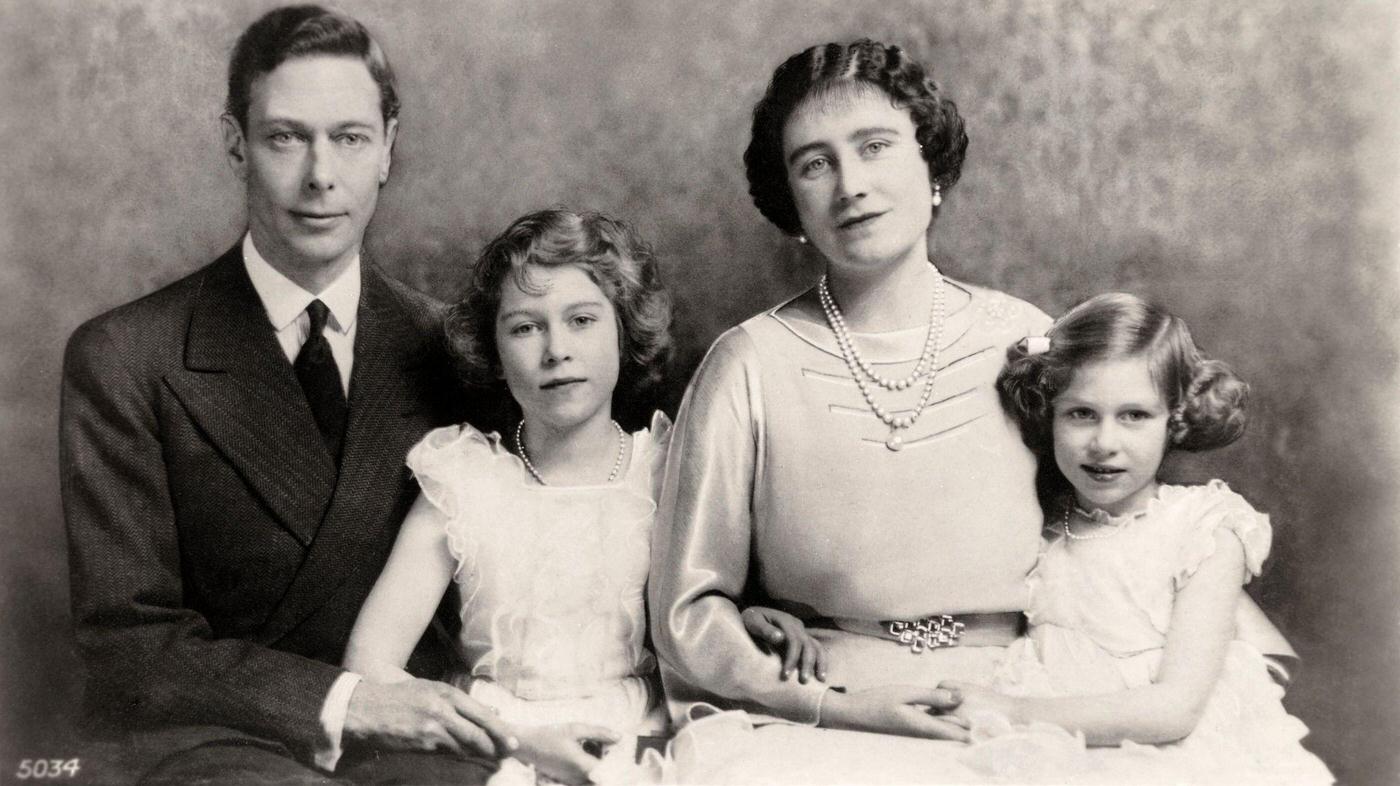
{"points": [[551, 580], [1099, 613]]}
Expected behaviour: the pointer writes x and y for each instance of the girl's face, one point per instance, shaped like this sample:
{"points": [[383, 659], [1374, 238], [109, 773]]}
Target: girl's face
{"points": [[860, 185], [1110, 428], [559, 349]]}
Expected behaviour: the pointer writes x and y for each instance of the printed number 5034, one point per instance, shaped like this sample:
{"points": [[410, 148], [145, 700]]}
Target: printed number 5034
{"points": [[47, 768]]}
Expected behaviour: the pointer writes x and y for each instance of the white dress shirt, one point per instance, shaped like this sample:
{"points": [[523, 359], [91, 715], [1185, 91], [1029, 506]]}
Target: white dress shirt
{"points": [[285, 302]]}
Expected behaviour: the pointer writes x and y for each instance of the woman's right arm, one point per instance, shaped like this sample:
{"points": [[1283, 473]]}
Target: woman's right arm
{"points": [[702, 542], [404, 598]]}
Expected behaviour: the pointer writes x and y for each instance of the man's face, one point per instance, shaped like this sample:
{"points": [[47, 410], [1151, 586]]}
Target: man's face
{"points": [[314, 155]]}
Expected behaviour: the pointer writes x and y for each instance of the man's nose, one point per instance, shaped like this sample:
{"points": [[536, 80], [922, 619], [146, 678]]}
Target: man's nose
{"points": [[320, 165]]}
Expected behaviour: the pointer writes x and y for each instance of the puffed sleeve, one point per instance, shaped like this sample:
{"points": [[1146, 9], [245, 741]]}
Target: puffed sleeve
{"points": [[701, 548], [462, 473], [1213, 507]]}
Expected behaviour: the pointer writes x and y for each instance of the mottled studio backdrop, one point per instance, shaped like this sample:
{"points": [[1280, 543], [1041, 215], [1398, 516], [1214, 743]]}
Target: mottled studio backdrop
{"points": [[1235, 160]]}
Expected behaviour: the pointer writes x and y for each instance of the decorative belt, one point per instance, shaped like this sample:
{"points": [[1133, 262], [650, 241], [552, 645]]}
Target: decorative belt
{"points": [[941, 630]]}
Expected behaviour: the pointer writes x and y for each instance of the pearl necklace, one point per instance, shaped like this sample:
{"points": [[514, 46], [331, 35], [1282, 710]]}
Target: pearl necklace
{"points": [[534, 473], [862, 370], [1108, 530]]}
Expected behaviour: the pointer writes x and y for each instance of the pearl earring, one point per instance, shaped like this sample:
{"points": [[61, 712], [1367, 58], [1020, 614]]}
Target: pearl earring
{"points": [[937, 195], [802, 239]]}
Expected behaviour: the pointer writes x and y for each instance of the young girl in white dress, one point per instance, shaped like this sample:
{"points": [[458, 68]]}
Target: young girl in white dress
{"points": [[1133, 598], [546, 531]]}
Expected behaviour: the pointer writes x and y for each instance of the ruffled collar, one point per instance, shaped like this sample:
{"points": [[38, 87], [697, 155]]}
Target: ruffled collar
{"points": [[1167, 495]]}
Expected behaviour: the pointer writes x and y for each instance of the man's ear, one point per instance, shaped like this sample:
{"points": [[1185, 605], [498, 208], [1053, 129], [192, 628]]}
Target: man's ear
{"points": [[391, 132], [235, 146]]}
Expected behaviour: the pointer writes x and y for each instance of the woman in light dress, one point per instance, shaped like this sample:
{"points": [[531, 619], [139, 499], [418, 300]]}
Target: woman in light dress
{"points": [[843, 458]]}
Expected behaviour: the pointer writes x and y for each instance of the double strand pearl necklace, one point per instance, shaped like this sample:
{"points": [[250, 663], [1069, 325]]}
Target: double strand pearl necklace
{"points": [[534, 473], [864, 374], [1107, 530]]}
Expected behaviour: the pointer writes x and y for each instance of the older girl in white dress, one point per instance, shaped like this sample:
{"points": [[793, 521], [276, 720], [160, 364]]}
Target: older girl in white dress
{"points": [[1133, 598], [547, 531]]}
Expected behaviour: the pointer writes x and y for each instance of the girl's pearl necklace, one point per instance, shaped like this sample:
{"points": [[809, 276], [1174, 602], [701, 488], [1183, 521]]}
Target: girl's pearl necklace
{"points": [[863, 373], [534, 473], [1108, 530]]}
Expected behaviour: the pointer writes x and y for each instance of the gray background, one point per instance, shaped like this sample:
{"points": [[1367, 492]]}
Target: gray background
{"points": [[1236, 161]]}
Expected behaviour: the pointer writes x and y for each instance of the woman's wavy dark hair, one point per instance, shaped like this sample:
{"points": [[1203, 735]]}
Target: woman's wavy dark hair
{"points": [[613, 256], [938, 126], [1205, 400]]}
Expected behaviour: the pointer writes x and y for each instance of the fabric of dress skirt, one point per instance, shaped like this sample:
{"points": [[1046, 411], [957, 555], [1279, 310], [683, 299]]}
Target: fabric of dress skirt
{"points": [[551, 582], [1099, 613]]}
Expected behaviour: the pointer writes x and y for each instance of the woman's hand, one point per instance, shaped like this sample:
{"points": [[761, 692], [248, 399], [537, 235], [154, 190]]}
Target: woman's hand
{"points": [[566, 752], [772, 628], [978, 701], [906, 710]]}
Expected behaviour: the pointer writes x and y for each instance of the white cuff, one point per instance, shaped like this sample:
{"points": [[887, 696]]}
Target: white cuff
{"points": [[333, 712]]}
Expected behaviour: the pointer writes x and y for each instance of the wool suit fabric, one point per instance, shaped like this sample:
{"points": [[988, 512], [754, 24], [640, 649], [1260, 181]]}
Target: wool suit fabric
{"points": [[218, 554]]}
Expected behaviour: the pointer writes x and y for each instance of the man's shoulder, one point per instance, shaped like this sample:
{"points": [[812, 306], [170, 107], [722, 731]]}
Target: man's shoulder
{"points": [[423, 310], [167, 307]]}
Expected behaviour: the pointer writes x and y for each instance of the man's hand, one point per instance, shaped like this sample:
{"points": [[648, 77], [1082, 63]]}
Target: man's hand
{"points": [[906, 710], [423, 715]]}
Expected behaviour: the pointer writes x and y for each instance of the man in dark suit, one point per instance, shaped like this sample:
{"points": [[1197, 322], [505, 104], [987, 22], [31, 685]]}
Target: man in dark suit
{"points": [[232, 455]]}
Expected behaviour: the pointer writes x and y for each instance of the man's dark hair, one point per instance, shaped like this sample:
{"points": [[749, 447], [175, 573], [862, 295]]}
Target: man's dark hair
{"points": [[303, 31]]}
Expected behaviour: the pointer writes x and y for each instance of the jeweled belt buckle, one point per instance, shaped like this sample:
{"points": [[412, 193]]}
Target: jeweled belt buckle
{"points": [[928, 633]]}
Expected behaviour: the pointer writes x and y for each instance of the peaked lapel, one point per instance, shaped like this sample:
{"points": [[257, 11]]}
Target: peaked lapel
{"points": [[238, 386], [385, 396]]}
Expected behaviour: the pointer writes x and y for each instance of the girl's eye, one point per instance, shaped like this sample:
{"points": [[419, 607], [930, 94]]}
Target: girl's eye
{"points": [[523, 329], [1079, 413], [584, 320], [1137, 415], [875, 146]]}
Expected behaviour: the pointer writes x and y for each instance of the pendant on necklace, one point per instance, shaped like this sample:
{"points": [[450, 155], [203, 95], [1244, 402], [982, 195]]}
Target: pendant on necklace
{"points": [[895, 442]]}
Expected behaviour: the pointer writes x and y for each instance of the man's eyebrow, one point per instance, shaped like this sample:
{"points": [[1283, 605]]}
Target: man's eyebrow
{"points": [[287, 122]]}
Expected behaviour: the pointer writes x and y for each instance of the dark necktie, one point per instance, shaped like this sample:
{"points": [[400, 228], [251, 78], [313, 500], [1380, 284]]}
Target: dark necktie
{"points": [[320, 380]]}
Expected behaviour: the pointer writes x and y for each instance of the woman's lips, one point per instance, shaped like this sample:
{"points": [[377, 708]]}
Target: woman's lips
{"points": [[859, 221], [555, 384]]}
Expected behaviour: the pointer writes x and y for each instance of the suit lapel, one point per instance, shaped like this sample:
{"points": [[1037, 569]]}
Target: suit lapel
{"points": [[239, 388], [360, 526]]}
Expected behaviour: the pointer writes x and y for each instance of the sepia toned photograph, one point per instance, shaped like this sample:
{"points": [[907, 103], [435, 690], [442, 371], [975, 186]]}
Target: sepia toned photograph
{"points": [[624, 392]]}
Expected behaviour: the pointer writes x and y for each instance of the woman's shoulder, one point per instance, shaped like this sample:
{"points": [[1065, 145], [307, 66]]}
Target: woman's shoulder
{"points": [[997, 309]]}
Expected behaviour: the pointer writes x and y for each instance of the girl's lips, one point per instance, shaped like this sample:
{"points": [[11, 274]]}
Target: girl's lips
{"points": [[559, 383], [1101, 473]]}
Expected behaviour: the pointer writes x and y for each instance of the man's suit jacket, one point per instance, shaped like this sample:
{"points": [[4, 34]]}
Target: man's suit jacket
{"points": [[218, 557]]}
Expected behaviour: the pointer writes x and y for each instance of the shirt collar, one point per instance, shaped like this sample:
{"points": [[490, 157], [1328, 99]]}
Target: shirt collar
{"points": [[285, 300]]}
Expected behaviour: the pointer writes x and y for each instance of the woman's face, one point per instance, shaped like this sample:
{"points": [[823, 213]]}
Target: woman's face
{"points": [[857, 177], [559, 346]]}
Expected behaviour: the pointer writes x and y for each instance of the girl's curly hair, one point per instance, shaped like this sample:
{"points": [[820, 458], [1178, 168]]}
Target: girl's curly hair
{"points": [[613, 256], [1205, 399]]}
